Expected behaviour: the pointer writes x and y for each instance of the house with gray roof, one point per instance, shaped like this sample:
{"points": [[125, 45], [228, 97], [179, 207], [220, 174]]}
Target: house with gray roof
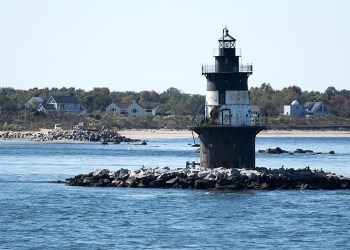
{"points": [[316, 108], [60, 104], [129, 109], [308, 109], [46, 108]]}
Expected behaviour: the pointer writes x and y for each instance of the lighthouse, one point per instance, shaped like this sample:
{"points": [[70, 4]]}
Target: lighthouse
{"points": [[229, 128]]}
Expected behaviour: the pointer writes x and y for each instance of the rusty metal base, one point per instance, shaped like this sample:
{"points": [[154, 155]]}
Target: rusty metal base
{"points": [[227, 146]]}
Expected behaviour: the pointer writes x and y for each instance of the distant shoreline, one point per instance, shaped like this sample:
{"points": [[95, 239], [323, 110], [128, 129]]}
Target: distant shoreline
{"points": [[168, 133], [173, 133]]}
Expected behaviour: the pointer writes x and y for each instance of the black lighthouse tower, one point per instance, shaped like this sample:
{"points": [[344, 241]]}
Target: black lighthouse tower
{"points": [[229, 129]]}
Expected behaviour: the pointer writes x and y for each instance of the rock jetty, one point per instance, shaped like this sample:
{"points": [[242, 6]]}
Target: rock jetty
{"points": [[218, 178], [70, 135], [278, 150]]}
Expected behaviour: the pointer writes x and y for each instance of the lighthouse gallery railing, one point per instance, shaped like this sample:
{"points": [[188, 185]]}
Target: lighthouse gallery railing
{"points": [[245, 68]]}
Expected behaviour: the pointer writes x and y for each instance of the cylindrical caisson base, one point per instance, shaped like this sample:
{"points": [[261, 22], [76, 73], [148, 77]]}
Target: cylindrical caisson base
{"points": [[227, 146]]}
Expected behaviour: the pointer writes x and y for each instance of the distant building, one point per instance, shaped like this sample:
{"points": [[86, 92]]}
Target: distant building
{"points": [[46, 108], [129, 109], [60, 104], [316, 108], [308, 109], [149, 111], [254, 110], [34, 102], [294, 109], [114, 108]]}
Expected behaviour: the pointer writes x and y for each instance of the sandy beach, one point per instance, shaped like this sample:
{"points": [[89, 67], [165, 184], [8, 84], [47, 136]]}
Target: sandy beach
{"points": [[164, 133], [171, 133]]}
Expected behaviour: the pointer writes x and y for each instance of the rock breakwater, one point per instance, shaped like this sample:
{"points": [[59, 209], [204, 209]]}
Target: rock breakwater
{"points": [[278, 150], [218, 178], [70, 135]]}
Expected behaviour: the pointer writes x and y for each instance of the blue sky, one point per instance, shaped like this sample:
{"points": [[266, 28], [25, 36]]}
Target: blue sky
{"points": [[153, 45]]}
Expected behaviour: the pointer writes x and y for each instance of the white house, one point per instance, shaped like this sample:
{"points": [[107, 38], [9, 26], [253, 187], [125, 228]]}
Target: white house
{"points": [[114, 108], [309, 108], [149, 111], [135, 109], [295, 109], [129, 109]]}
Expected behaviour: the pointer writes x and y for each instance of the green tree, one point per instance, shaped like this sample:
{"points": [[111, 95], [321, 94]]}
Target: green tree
{"points": [[149, 99], [330, 93]]}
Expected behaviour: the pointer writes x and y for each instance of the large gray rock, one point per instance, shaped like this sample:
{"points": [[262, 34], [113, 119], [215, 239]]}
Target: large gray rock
{"points": [[276, 150], [101, 172], [202, 184], [123, 173]]}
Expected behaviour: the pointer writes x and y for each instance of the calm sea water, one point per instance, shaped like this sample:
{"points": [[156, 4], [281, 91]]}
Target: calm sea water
{"points": [[35, 214]]}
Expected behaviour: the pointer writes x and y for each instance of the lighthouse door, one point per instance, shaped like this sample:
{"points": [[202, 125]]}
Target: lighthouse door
{"points": [[226, 117]]}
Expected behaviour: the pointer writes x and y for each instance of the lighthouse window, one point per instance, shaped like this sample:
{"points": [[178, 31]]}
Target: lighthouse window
{"points": [[221, 97]]}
